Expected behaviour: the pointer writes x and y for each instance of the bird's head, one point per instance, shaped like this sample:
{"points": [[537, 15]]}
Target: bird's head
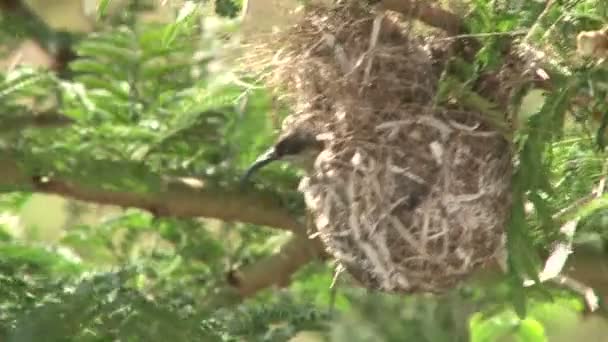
{"points": [[300, 148]]}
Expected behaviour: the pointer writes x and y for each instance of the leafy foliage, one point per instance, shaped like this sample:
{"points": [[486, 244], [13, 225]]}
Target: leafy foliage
{"points": [[151, 100]]}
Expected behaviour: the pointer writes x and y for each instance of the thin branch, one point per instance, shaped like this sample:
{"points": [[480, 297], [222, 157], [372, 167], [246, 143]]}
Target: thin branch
{"points": [[56, 43], [555, 264], [536, 28], [189, 197], [20, 122], [427, 13], [182, 197], [586, 292], [179, 197], [277, 269], [574, 206], [586, 268], [485, 35]]}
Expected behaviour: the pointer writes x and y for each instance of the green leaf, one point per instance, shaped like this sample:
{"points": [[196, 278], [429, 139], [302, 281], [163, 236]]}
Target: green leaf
{"points": [[38, 257], [115, 88], [22, 80], [518, 296], [92, 66], [184, 17], [493, 328], [108, 51], [531, 330], [102, 7]]}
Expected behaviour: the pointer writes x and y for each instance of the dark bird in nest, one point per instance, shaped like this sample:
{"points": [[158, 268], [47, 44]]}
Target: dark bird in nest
{"points": [[299, 147]]}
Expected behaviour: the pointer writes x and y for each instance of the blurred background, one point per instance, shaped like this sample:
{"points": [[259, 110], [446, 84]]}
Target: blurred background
{"points": [[124, 126]]}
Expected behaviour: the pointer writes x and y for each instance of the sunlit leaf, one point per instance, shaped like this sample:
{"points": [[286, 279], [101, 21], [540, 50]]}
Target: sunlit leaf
{"points": [[102, 7]]}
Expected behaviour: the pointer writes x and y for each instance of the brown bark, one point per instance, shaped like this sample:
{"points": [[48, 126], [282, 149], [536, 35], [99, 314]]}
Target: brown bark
{"points": [[191, 198], [180, 197], [426, 12], [40, 32], [277, 269], [588, 268], [50, 119]]}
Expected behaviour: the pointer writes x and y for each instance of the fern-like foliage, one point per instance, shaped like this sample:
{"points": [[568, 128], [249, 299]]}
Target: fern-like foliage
{"points": [[149, 100]]}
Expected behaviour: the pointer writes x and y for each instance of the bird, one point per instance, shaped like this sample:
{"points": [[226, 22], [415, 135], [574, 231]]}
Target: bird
{"points": [[401, 220], [299, 147]]}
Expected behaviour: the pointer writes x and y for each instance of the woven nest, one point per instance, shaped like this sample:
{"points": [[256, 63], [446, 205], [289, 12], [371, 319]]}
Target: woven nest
{"points": [[407, 196]]}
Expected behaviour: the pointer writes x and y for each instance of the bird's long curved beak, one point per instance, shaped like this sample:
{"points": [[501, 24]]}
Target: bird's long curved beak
{"points": [[266, 158]]}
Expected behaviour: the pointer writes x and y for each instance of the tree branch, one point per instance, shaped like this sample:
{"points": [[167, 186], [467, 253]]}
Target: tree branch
{"points": [[427, 13], [277, 269], [189, 197], [57, 44], [20, 122], [179, 197], [182, 197]]}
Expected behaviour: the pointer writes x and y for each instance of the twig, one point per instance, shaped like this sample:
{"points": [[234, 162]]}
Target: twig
{"points": [[56, 43], [372, 45], [591, 298], [557, 259], [427, 13], [276, 270], [177, 197], [573, 207], [189, 197], [559, 256], [533, 30], [483, 35], [49, 119], [333, 289]]}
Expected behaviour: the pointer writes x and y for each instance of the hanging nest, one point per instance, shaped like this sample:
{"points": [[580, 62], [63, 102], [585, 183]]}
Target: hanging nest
{"points": [[408, 196]]}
